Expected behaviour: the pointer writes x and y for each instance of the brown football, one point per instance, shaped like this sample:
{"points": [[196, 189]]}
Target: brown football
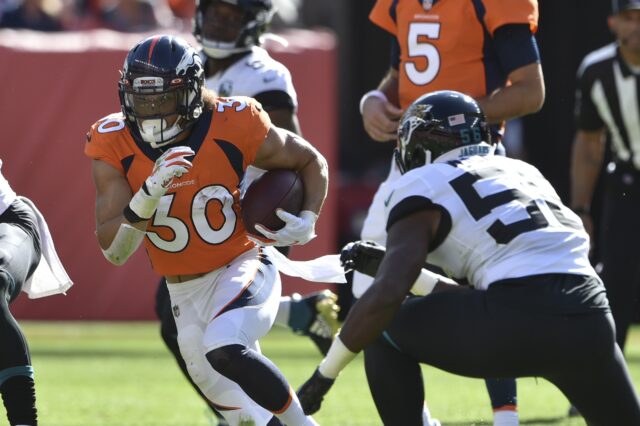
{"points": [[275, 189]]}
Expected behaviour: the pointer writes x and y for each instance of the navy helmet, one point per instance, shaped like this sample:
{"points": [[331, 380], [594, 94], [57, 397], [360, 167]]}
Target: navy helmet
{"points": [[161, 89], [437, 123]]}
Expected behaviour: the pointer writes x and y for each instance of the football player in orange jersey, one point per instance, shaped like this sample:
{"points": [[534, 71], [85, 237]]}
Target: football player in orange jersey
{"points": [[167, 170], [230, 33], [483, 48]]}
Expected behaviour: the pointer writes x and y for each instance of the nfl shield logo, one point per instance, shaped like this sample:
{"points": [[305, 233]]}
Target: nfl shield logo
{"points": [[176, 311], [427, 4]]}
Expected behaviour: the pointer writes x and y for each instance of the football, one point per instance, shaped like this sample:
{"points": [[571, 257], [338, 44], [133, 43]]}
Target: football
{"points": [[275, 189]]}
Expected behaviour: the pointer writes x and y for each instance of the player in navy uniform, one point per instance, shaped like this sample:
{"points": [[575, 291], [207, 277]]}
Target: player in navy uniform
{"points": [[537, 307]]}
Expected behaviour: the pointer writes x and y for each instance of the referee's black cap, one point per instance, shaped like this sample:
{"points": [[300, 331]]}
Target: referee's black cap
{"points": [[618, 6]]}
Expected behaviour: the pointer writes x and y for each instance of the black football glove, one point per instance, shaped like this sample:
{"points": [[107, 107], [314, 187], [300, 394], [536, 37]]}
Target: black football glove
{"points": [[313, 391], [362, 256]]}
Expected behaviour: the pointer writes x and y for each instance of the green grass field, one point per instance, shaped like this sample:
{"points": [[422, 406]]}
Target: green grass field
{"points": [[119, 374]]}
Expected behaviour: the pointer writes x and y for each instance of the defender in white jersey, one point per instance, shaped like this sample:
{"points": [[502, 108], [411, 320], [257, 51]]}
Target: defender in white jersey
{"points": [[537, 309]]}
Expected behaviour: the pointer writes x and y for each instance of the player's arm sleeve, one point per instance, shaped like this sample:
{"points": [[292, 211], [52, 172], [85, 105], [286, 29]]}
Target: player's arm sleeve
{"points": [[586, 113], [97, 147], [516, 46], [273, 88], [415, 203], [275, 99]]}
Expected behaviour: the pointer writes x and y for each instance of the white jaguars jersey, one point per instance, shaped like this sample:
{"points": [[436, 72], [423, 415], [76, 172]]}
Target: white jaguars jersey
{"points": [[255, 73], [507, 221], [7, 195]]}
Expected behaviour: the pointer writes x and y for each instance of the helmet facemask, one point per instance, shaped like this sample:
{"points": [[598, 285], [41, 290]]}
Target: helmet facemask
{"points": [[415, 126]]}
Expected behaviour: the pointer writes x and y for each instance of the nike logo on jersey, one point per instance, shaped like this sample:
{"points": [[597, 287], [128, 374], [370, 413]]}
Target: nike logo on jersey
{"points": [[388, 200]]}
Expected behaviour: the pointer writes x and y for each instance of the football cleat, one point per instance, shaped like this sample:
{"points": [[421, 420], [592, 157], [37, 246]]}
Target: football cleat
{"points": [[316, 316]]}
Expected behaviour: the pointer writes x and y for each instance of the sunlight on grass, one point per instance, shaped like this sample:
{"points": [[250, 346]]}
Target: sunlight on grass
{"points": [[120, 374]]}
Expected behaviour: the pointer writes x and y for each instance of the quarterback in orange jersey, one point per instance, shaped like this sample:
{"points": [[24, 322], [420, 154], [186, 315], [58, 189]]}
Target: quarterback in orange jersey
{"points": [[167, 170], [483, 48]]}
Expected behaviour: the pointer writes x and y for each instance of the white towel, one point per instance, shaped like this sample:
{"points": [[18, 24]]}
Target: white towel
{"points": [[50, 277], [324, 269]]}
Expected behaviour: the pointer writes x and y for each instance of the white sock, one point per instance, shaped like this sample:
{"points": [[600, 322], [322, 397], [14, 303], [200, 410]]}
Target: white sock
{"points": [[505, 418], [284, 310], [293, 415], [427, 420]]}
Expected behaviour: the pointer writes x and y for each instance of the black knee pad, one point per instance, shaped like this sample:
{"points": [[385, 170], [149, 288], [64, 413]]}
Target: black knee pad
{"points": [[221, 359]]}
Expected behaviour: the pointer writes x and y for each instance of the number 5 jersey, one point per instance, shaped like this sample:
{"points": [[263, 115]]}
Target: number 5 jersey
{"points": [[197, 226], [447, 44]]}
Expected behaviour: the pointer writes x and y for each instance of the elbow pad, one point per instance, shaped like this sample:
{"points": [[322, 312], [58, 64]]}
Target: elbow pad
{"points": [[125, 243]]}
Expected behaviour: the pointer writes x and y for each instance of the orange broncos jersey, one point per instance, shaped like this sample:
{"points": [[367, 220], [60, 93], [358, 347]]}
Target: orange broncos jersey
{"points": [[443, 43], [198, 226]]}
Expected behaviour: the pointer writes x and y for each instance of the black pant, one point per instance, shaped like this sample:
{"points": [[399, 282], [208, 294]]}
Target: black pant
{"points": [[620, 253], [19, 257], [553, 326]]}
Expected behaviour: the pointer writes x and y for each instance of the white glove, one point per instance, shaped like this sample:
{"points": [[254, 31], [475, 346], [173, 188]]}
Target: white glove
{"points": [[169, 165], [297, 229]]}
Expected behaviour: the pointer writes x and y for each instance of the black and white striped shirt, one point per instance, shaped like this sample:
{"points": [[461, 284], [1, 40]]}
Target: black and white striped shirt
{"points": [[608, 95]]}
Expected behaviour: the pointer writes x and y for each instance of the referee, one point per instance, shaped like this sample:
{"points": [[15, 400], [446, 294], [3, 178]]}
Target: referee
{"points": [[608, 102]]}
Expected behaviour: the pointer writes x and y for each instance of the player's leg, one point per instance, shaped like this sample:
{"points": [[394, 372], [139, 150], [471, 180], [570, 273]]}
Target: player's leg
{"points": [[503, 396], [620, 266], [388, 370], [243, 310], [596, 379], [169, 334], [190, 302], [19, 256]]}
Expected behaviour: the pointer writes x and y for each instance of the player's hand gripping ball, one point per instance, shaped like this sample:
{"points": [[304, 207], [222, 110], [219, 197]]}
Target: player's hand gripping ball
{"points": [[273, 202]]}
